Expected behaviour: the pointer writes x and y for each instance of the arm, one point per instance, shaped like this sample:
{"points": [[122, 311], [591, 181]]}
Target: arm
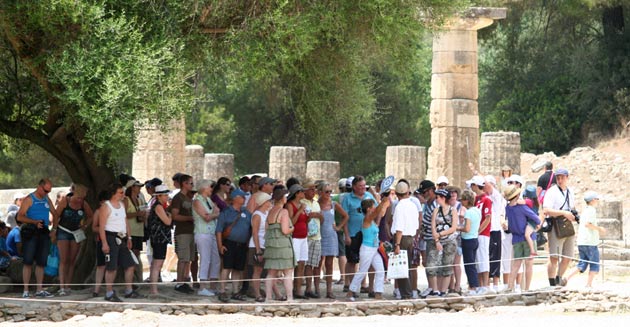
{"points": [[201, 211], [95, 219], [129, 243], [102, 220], [344, 217], [484, 223], [466, 227], [177, 217], [219, 234], [58, 211], [164, 217], [89, 215], [255, 226], [599, 229], [286, 227]]}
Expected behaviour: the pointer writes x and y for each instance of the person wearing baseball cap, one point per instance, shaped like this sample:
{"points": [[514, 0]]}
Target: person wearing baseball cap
{"points": [[558, 203], [265, 185], [484, 203], [588, 239], [426, 191]]}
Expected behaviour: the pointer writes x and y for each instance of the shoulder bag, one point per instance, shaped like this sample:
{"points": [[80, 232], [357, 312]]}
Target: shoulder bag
{"points": [[561, 225], [226, 232]]}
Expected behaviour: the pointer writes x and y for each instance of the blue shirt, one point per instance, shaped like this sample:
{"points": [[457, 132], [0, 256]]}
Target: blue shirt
{"points": [[242, 229], [12, 239], [352, 205], [370, 235], [517, 217], [474, 215], [39, 209]]}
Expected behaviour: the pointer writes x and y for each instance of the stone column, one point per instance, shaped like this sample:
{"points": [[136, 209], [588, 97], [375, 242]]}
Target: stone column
{"points": [[328, 171], [195, 162], [159, 153], [218, 165], [499, 149], [287, 161], [408, 162], [454, 88]]}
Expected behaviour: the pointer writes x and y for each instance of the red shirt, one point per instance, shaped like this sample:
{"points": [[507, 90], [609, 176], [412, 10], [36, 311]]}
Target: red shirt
{"points": [[484, 203], [300, 230]]}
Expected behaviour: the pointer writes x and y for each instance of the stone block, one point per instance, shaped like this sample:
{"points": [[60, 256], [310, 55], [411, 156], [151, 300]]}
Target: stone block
{"points": [[195, 162], [454, 113], [460, 62], [328, 171], [450, 152], [405, 161], [217, 165], [499, 149], [610, 209], [455, 40], [454, 86], [614, 229], [286, 162]]}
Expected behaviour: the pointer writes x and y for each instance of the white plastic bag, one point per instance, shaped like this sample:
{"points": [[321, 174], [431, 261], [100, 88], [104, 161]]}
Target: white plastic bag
{"points": [[398, 265]]}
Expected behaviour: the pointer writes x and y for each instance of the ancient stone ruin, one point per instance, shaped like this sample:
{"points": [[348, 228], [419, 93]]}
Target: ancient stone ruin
{"points": [[287, 161], [406, 161], [500, 149]]}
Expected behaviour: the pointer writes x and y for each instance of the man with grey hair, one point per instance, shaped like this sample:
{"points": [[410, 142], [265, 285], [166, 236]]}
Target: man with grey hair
{"points": [[498, 216]]}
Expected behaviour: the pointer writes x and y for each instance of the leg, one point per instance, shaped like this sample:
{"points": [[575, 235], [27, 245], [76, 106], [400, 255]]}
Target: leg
{"points": [[269, 282], [515, 264], [194, 267], [110, 275], [129, 272], [225, 275], [591, 276], [64, 256], [156, 267], [529, 272], [74, 251], [288, 283], [100, 274], [528, 237], [457, 272], [317, 277], [236, 276], [308, 272], [26, 275], [299, 274], [256, 280], [328, 266]]}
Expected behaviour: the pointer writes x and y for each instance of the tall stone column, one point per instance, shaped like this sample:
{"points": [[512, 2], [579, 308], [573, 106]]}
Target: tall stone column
{"points": [[610, 216], [408, 162], [159, 153], [195, 162], [454, 114], [287, 161], [218, 165], [328, 171], [499, 149]]}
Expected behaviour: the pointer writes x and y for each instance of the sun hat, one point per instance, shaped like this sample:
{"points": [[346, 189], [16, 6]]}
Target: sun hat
{"points": [[442, 180], [295, 188], [160, 190], [511, 192], [262, 197]]}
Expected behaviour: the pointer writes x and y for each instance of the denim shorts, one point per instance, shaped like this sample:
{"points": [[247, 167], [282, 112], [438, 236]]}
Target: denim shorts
{"points": [[589, 255], [64, 236]]}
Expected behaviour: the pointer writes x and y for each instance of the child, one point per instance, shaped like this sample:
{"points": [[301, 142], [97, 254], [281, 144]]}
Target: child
{"points": [[5, 257], [588, 239]]}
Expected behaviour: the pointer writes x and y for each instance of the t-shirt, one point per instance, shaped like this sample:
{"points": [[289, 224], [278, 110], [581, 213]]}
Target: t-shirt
{"points": [[543, 180], [184, 204], [557, 199], [12, 240], [427, 215], [474, 215], [136, 227], [587, 236], [313, 206], [498, 209], [241, 231], [484, 204], [352, 205], [405, 218], [518, 216]]}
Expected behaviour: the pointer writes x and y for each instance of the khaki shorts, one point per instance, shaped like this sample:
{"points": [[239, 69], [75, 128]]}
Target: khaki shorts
{"points": [[564, 246], [521, 250], [185, 247]]}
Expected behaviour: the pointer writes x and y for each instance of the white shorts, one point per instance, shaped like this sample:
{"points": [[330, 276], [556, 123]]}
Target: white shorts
{"points": [[483, 254], [506, 255], [300, 248]]}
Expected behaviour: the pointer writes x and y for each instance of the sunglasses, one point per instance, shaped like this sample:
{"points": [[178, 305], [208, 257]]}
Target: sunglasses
{"points": [[511, 182], [328, 191], [47, 191]]}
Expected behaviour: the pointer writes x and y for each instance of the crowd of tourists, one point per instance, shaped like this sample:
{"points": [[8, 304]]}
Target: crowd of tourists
{"points": [[229, 237]]}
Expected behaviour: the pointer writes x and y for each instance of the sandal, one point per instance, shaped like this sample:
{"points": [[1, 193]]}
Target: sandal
{"points": [[260, 299], [223, 297], [330, 296], [283, 298], [238, 296]]}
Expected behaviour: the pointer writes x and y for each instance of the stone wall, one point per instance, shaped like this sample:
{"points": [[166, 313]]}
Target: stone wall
{"points": [[218, 165], [195, 162], [610, 216]]}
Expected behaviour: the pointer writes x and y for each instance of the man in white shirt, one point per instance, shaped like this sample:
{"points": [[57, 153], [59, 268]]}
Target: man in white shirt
{"points": [[404, 227], [498, 215], [559, 202]]}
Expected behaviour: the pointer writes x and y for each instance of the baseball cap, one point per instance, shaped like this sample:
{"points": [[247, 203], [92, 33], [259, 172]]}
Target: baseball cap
{"points": [[402, 188], [237, 192], [516, 178], [490, 179], [266, 180], [441, 180], [341, 183], [562, 171], [477, 180], [425, 185], [18, 195], [590, 196], [133, 182], [349, 181], [153, 182]]}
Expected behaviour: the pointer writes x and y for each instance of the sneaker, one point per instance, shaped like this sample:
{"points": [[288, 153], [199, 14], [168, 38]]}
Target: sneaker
{"points": [[397, 293], [490, 290], [517, 289], [62, 292], [113, 298], [426, 292], [471, 292], [563, 282], [206, 292], [26, 295], [43, 294], [482, 291], [184, 288], [435, 294], [414, 294]]}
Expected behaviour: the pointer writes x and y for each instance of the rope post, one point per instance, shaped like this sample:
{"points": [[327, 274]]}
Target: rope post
{"points": [[602, 260]]}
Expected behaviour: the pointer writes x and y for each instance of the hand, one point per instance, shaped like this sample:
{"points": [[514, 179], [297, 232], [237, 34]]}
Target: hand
{"points": [[53, 236], [436, 236], [40, 224], [396, 250], [129, 243], [105, 248], [223, 250], [439, 246], [348, 241], [568, 215]]}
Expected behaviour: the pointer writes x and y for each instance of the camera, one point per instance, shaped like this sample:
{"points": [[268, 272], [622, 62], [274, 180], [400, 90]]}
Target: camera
{"points": [[576, 215]]}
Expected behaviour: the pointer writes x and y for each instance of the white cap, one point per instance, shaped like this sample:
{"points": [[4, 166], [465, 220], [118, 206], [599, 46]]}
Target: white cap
{"points": [[441, 180], [477, 180], [18, 195], [402, 188], [516, 178], [490, 179]]}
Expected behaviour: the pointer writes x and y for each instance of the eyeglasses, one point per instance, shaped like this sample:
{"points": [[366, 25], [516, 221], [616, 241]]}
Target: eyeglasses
{"points": [[47, 191], [328, 191], [510, 182]]}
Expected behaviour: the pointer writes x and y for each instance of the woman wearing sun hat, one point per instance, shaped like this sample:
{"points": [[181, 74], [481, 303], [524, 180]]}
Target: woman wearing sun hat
{"points": [[159, 225]]}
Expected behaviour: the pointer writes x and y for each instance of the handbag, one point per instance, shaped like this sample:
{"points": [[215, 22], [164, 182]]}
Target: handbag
{"points": [[541, 240], [563, 227], [79, 234], [313, 227], [226, 232], [52, 263], [27, 231], [398, 265], [546, 225]]}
